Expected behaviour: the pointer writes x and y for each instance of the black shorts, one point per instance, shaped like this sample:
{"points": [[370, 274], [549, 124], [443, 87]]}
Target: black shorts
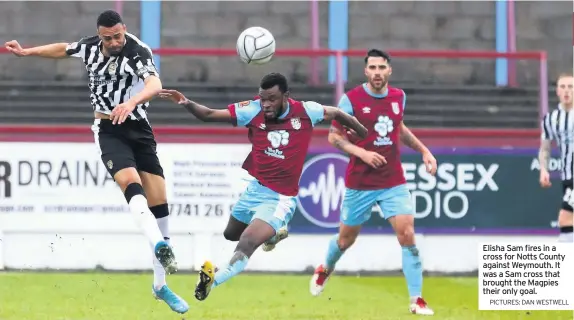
{"points": [[567, 195], [129, 145]]}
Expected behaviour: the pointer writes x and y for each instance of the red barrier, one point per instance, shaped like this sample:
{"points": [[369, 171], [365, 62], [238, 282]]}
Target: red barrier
{"points": [[323, 132], [455, 138], [531, 55]]}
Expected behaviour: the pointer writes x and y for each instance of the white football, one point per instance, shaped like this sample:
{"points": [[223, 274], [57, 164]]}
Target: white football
{"points": [[256, 45]]}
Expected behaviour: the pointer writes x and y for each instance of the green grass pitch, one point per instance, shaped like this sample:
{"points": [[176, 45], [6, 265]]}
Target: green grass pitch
{"points": [[114, 296]]}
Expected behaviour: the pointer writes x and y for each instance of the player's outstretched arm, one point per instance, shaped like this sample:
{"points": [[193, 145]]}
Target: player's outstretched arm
{"points": [[346, 120], [201, 112], [54, 50]]}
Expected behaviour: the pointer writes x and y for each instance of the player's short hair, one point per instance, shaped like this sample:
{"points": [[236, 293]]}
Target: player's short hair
{"points": [[274, 79], [564, 75], [377, 53], [108, 19]]}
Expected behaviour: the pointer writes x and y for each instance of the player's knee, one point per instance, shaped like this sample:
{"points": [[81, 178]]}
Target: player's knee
{"points": [[565, 218], [132, 190], [126, 177], [406, 236], [160, 211], [231, 235]]}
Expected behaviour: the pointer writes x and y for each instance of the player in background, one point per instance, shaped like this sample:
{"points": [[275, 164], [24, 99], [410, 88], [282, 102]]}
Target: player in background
{"points": [[558, 125], [123, 79], [280, 130], [375, 174]]}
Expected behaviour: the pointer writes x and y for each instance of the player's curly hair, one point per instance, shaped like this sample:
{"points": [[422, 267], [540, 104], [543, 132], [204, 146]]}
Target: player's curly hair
{"points": [[274, 79], [378, 53], [108, 19]]}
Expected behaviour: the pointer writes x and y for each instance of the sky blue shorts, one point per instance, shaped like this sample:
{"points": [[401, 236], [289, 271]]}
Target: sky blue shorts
{"points": [[260, 202], [357, 204]]}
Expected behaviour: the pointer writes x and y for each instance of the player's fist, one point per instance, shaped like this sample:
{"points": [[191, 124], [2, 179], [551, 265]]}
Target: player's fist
{"points": [[15, 48], [430, 162], [545, 179], [373, 159]]}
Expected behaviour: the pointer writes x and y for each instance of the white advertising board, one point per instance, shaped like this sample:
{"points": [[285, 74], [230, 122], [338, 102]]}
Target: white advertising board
{"points": [[203, 181]]}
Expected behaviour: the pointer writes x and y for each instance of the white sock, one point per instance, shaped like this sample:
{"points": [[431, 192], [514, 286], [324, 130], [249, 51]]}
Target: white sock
{"points": [[163, 224], [145, 219], [567, 237], [158, 270], [158, 274]]}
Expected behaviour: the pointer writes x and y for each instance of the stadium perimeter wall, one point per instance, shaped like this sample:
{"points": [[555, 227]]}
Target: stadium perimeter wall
{"points": [[60, 209], [448, 25]]}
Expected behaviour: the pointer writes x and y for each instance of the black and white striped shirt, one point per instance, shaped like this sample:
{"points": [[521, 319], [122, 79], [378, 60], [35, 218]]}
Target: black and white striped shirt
{"points": [[114, 80], [558, 125]]}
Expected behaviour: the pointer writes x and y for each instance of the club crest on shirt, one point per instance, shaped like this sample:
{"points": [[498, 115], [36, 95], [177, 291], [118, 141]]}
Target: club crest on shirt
{"points": [[395, 106], [112, 67], [296, 123]]}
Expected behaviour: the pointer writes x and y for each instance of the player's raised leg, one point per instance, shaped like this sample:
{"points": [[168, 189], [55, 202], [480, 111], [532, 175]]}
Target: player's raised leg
{"points": [[254, 236], [130, 183], [266, 212], [355, 210], [281, 235], [120, 162], [396, 205], [154, 186], [235, 227], [239, 220]]}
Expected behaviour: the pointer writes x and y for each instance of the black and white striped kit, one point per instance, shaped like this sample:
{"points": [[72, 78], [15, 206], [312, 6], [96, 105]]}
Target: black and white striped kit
{"points": [[558, 125], [114, 80]]}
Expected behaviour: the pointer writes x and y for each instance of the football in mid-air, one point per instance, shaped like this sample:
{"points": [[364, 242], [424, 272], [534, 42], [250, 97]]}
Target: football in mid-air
{"points": [[256, 45]]}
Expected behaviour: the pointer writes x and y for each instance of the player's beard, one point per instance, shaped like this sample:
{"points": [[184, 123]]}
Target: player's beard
{"points": [[378, 84], [115, 51]]}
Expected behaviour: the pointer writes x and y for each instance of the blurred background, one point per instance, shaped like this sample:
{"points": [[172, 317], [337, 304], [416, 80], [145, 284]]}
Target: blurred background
{"points": [[478, 76], [445, 80]]}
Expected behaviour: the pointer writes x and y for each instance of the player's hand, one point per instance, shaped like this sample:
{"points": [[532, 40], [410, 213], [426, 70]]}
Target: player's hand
{"points": [[545, 179], [354, 133], [121, 112], [430, 162], [373, 159], [173, 95], [15, 48], [361, 134], [351, 132]]}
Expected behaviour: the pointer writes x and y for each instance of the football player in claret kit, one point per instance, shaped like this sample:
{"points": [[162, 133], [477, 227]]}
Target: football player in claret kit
{"points": [[280, 130], [375, 174]]}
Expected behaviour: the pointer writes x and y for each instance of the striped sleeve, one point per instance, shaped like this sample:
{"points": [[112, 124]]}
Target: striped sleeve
{"points": [[142, 63], [546, 128], [77, 49]]}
